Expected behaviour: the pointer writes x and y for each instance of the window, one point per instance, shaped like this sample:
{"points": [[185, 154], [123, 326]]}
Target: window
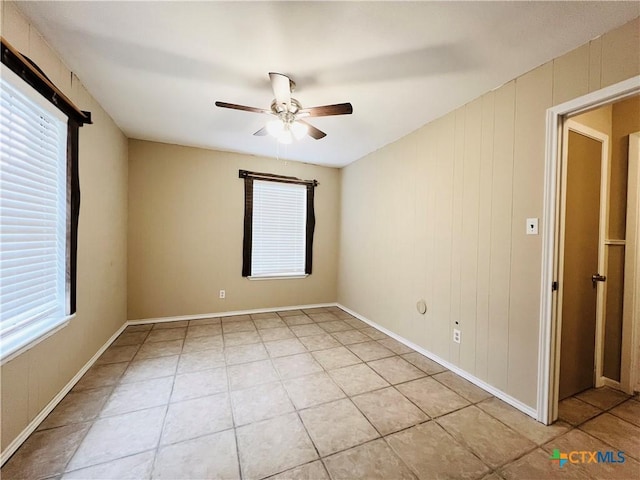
{"points": [[39, 204], [278, 226], [33, 213]]}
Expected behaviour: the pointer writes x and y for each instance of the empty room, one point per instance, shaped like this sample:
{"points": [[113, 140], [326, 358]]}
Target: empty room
{"points": [[320, 240]]}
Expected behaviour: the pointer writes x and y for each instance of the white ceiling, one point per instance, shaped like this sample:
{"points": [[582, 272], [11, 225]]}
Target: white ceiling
{"points": [[158, 67]]}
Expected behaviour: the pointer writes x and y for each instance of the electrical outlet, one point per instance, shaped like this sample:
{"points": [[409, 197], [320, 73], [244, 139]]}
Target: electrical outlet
{"points": [[456, 335], [222, 293]]}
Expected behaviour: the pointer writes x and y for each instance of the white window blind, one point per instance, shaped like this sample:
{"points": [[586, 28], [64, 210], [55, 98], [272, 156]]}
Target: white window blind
{"points": [[278, 229], [33, 214]]}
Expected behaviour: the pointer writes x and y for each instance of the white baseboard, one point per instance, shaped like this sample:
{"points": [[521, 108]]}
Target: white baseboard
{"points": [[457, 370], [201, 316], [35, 423], [607, 382]]}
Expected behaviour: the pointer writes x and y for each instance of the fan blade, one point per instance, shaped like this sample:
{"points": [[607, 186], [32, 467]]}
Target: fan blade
{"points": [[233, 106], [327, 110], [281, 85], [262, 132], [313, 131]]}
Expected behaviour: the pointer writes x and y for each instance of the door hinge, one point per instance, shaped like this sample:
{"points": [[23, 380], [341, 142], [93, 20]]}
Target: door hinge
{"points": [[554, 286], [596, 277]]}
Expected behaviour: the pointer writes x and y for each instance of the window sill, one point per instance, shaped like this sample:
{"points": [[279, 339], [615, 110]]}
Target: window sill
{"points": [[278, 277], [19, 344]]}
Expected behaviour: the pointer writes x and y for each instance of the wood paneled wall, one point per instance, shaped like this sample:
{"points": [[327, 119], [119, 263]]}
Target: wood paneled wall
{"points": [[440, 215]]}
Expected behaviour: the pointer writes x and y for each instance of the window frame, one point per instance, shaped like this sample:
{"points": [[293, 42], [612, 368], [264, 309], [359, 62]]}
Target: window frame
{"points": [[33, 83], [247, 243]]}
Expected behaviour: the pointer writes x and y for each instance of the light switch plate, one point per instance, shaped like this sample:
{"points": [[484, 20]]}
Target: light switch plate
{"points": [[532, 226]]}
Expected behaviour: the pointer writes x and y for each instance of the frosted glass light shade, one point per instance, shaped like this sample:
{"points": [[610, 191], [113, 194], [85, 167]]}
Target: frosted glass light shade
{"points": [[299, 130], [275, 128], [285, 136]]}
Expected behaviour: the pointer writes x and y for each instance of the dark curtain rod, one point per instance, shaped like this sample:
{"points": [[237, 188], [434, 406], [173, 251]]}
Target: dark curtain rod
{"points": [[26, 69], [276, 178]]}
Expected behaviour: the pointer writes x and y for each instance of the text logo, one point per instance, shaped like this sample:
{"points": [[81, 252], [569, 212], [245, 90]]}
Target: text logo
{"points": [[583, 456]]}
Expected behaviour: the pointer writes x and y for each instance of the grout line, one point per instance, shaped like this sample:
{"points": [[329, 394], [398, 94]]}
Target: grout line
{"points": [[347, 397], [109, 461], [166, 407], [93, 421], [297, 412], [231, 411], [281, 382]]}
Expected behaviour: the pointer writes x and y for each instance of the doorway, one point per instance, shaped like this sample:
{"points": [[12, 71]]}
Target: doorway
{"points": [[627, 271], [585, 175]]}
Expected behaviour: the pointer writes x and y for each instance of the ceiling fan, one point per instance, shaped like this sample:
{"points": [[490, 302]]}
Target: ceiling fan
{"points": [[289, 123]]}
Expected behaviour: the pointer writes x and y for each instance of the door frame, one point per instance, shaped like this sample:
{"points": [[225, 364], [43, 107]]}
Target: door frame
{"points": [[548, 360], [603, 139], [630, 367]]}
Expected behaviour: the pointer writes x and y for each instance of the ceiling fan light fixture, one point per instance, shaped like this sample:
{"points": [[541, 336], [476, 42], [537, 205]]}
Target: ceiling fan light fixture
{"points": [[285, 137], [285, 127], [299, 130], [275, 128]]}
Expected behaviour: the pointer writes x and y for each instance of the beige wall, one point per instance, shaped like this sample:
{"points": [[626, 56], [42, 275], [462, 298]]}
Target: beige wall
{"points": [[30, 381], [186, 208], [625, 120], [598, 119], [440, 215]]}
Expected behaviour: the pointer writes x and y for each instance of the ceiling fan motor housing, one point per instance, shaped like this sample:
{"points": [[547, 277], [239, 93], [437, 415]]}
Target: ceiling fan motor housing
{"points": [[280, 108]]}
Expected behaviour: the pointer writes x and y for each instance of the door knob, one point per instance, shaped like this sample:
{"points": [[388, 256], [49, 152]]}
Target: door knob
{"points": [[597, 278]]}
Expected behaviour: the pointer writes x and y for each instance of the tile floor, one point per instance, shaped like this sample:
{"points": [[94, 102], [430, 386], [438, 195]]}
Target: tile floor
{"points": [[313, 394]]}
